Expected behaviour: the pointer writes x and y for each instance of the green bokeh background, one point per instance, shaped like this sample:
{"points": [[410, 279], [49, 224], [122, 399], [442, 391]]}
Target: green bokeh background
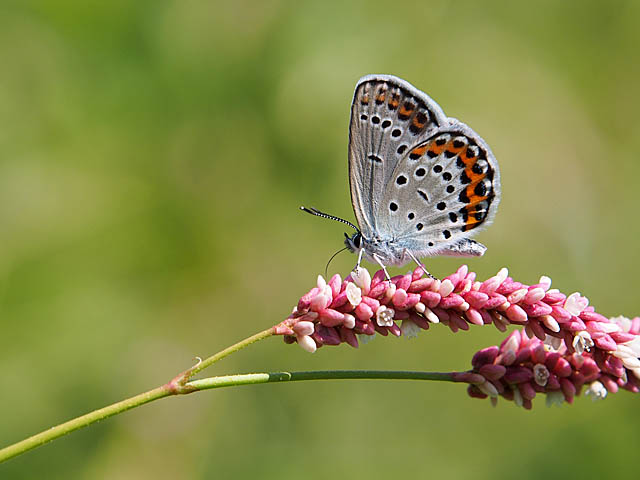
{"points": [[153, 155]]}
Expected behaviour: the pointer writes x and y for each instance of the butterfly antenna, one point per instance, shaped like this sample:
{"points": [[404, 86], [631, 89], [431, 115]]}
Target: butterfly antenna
{"points": [[326, 269], [318, 213]]}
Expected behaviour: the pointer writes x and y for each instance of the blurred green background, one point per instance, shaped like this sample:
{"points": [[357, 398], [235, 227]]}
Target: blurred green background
{"points": [[153, 155]]}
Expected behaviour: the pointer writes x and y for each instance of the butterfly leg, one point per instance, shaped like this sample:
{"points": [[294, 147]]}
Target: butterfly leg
{"points": [[375, 257], [419, 264], [359, 258]]}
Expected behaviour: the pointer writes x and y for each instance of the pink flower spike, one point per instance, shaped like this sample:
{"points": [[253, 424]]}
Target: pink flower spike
{"points": [[568, 347]]}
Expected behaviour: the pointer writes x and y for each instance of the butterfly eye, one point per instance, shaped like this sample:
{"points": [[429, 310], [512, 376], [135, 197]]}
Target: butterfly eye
{"points": [[357, 240]]}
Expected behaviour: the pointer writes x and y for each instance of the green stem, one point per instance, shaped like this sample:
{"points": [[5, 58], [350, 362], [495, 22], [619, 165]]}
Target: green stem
{"points": [[177, 386], [185, 376], [80, 422], [205, 384], [277, 377]]}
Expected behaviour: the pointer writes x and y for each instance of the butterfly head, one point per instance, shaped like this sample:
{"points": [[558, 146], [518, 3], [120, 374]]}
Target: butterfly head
{"points": [[353, 242]]}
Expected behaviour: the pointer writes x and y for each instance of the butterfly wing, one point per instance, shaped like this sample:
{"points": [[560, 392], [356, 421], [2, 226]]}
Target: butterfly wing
{"points": [[441, 191], [388, 115]]}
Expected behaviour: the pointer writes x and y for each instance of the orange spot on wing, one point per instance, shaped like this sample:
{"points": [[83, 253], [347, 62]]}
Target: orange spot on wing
{"points": [[471, 223], [473, 197], [454, 149], [394, 101], [438, 149], [405, 110], [420, 150], [417, 123]]}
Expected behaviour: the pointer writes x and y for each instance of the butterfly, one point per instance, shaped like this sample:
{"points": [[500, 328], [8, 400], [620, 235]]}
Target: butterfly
{"points": [[421, 183]]}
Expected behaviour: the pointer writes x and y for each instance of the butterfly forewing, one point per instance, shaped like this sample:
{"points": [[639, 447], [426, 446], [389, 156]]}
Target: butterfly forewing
{"points": [[388, 116]]}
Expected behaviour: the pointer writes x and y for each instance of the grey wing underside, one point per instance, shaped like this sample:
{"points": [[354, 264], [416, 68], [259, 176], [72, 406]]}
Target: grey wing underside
{"points": [[388, 116], [394, 132]]}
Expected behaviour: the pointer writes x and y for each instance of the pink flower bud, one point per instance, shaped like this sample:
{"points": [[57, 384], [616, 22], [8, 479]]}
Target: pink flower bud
{"points": [[363, 312], [516, 314], [430, 299], [492, 372], [476, 299], [402, 281]]}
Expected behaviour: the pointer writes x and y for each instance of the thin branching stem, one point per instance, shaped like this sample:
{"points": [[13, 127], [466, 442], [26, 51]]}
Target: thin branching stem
{"points": [[206, 384]]}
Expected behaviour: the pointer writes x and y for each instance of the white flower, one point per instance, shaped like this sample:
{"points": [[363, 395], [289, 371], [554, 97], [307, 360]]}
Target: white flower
{"points": [[488, 388], [362, 278], [512, 344], [540, 374], [597, 391], [349, 321], [307, 343], [582, 341], [518, 295], [409, 328], [550, 323], [502, 274], [546, 281], [555, 397], [384, 316], [446, 287], [576, 303], [354, 294], [624, 322], [634, 346], [429, 315]]}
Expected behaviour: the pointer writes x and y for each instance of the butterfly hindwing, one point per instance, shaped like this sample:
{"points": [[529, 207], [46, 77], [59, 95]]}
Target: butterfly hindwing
{"points": [[441, 189]]}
